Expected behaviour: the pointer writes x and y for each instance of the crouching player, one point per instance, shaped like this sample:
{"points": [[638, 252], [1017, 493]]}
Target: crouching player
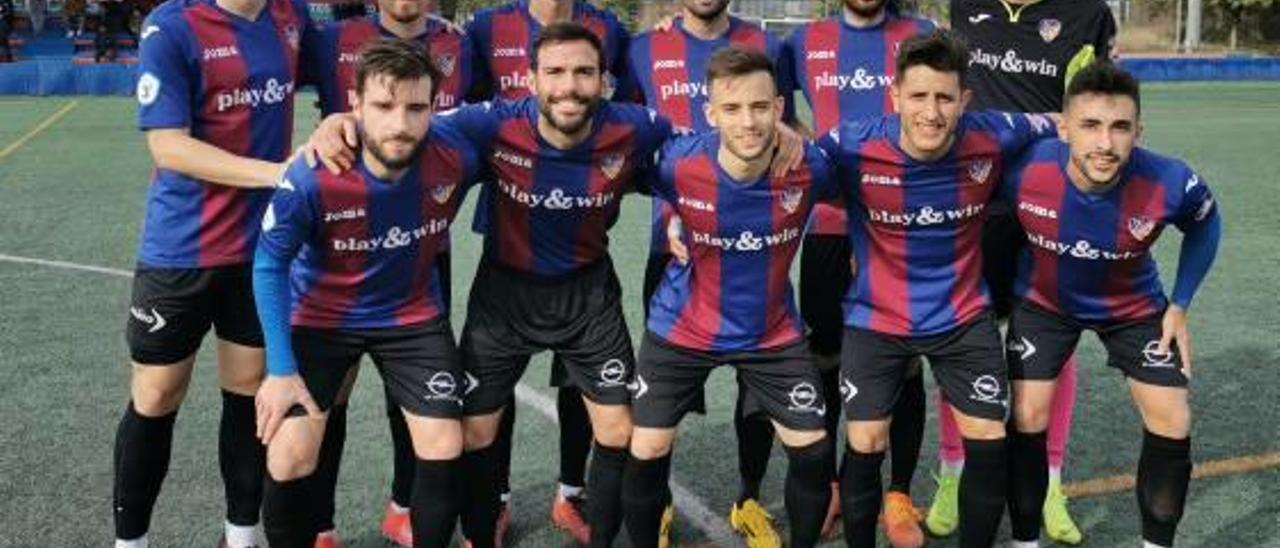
{"points": [[356, 251], [1092, 205]]}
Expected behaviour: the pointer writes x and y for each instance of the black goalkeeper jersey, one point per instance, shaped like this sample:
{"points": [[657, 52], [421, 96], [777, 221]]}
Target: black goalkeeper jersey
{"points": [[1022, 56]]}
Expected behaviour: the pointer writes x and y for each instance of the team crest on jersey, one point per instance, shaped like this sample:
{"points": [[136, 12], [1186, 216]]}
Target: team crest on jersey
{"points": [[611, 165], [1141, 227], [291, 36], [445, 62], [791, 199], [442, 193], [1049, 29], [979, 171]]}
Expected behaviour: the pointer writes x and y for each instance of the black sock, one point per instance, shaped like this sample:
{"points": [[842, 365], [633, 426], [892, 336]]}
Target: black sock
{"points": [[575, 436], [808, 491], [982, 491], [1028, 482], [755, 443], [289, 513], [141, 461], [502, 447], [644, 498], [242, 458], [480, 502], [330, 461], [403, 460], [437, 494], [1164, 469], [832, 419], [604, 491], [860, 492], [906, 434]]}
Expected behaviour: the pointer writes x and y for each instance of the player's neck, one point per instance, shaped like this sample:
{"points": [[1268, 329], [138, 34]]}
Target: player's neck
{"points": [[918, 155], [551, 11], [705, 29], [559, 139], [857, 20], [742, 171], [248, 9], [403, 30], [378, 169]]}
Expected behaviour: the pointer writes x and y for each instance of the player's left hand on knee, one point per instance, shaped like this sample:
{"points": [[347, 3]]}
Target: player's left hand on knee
{"points": [[277, 395], [790, 151], [1173, 330]]}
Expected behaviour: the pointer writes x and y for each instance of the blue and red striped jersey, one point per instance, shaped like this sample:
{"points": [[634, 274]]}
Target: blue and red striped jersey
{"points": [[331, 65], [502, 39], [230, 81], [550, 209], [1090, 254], [915, 227], [363, 248], [844, 73], [735, 293], [668, 69]]}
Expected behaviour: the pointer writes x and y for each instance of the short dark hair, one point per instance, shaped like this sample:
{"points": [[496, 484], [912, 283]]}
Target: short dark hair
{"points": [[398, 59], [940, 50], [735, 60], [1104, 78], [559, 33]]}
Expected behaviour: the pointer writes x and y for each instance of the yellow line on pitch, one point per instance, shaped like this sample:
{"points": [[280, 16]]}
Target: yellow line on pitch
{"points": [[43, 125], [1208, 469]]}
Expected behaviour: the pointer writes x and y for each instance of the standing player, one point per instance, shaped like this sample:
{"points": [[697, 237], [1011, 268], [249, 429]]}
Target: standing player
{"points": [[502, 40], [357, 253], [215, 96], [845, 65], [918, 183], [1022, 53], [732, 302], [1092, 207], [330, 65], [667, 70]]}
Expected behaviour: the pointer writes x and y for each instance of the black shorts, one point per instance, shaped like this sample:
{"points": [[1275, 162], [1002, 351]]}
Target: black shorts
{"points": [[1002, 243], [1040, 341], [783, 382], [419, 364], [824, 279], [967, 362], [172, 309], [510, 317]]}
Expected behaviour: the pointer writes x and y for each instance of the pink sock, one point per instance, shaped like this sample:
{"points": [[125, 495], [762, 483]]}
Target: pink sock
{"points": [[951, 443], [1064, 403]]}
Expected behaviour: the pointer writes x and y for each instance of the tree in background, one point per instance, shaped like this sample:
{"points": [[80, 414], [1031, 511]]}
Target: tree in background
{"points": [[1234, 13]]}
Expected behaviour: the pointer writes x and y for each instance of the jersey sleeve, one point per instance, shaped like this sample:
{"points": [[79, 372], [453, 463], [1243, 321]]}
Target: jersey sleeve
{"points": [[285, 226], [477, 122], [784, 77], [1016, 131], [290, 215], [166, 83], [1198, 219], [662, 179], [653, 130], [619, 61], [826, 187], [478, 34]]}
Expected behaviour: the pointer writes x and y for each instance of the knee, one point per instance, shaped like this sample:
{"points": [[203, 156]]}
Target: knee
{"points": [[241, 378], [479, 432], [647, 448], [869, 439], [982, 429], [154, 400], [1171, 422], [1030, 416], [287, 462], [612, 429], [437, 440]]}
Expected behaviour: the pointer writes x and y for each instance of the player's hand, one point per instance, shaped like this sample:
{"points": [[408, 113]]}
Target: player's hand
{"points": [[853, 266], [675, 240], [790, 151], [277, 395], [334, 143], [1173, 329], [448, 25], [665, 23]]}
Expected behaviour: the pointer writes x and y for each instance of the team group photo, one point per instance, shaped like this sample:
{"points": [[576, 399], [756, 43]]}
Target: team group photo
{"points": [[762, 273]]}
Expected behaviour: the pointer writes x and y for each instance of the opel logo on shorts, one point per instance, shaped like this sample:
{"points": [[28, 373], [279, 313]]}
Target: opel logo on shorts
{"points": [[1153, 357], [613, 373], [442, 384], [986, 389], [803, 396]]}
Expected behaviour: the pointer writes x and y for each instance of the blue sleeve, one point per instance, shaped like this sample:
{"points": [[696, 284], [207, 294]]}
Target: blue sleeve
{"points": [[285, 226], [784, 77], [477, 123], [478, 34], [619, 67], [655, 131], [663, 177], [166, 86], [311, 60], [1015, 130], [826, 185], [1201, 225]]}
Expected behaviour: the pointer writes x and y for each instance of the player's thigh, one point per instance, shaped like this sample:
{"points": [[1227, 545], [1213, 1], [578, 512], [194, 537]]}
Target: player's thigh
{"points": [[599, 358], [325, 356], [170, 310], [240, 368], [968, 363], [493, 358], [872, 368], [786, 383], [668, 383], [1133, 348], [421, 368], [1165, 410], [824, 278], [1038, 344], [235, 314]]}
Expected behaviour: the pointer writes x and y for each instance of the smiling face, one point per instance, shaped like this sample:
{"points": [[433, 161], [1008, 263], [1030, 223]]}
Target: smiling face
{"points": [[569, 83], [404, 11], [865, 8], [746, 110], [1101, 130], [929, 103], [705, 9]]}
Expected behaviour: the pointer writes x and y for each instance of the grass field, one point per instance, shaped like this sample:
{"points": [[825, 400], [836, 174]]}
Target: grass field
{"points": [[73, 190]]}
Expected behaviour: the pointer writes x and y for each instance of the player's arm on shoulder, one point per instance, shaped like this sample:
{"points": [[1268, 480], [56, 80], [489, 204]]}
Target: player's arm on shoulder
{"points": [[1017, 130], [176, 150]]}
